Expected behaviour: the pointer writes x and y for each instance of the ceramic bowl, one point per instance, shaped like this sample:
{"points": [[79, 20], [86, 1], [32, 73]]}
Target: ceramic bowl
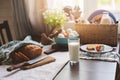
{"points": [[61, 40]]}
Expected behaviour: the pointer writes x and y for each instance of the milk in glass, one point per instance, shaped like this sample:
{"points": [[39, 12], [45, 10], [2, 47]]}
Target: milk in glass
{"points": [[74, 45]]}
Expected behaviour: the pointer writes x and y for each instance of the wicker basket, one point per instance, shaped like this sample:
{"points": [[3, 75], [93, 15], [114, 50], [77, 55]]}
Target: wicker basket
{"points": [[97, 33]]}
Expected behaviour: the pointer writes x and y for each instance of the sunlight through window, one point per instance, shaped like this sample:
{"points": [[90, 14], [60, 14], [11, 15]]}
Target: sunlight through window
{"points": [[59, 4]]}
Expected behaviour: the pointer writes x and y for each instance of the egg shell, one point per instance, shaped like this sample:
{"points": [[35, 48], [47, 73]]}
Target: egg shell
{"points": [[75, 33], [60, 35], [65, 34], [71, 35], [69, 30]]}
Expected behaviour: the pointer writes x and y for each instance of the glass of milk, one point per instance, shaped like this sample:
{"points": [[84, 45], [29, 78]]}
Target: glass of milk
{"points": [[73, 47]]}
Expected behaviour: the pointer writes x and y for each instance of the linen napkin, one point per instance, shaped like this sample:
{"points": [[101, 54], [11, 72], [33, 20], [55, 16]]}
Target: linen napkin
{"points": [[109, 56], [112, 56]]}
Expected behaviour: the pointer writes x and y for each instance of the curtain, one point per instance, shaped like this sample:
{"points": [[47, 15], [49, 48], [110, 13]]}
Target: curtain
{"points": [[35, 9], [21, 20]]}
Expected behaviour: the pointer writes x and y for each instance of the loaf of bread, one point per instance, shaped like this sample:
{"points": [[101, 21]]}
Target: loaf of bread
{"points": [[26, 53], [19, 57]]}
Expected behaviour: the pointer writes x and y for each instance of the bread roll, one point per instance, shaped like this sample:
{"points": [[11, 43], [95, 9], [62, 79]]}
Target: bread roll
{"points": [[91, 46]]}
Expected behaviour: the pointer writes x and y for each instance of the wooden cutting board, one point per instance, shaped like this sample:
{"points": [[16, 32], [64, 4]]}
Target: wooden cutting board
{"points": [[40, 63]]}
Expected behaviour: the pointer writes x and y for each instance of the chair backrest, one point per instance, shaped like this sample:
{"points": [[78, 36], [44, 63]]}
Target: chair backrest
{"points": [[5, 34]]}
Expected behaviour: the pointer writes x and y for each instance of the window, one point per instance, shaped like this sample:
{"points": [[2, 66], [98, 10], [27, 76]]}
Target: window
{"points": [[109, 4], [87, 6], [59, 4]]}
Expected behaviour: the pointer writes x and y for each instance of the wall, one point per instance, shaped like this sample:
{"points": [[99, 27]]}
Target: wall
{"points": [[6, 14], [89, 8]]}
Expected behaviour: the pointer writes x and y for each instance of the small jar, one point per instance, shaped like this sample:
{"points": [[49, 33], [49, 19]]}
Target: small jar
{"points": [[106, 19]]}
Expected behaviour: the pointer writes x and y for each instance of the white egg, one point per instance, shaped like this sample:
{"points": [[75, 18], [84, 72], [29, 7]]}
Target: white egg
{"points": [[61, 35], [75, 33], [71, 35], [69, 30], [63, 31]]}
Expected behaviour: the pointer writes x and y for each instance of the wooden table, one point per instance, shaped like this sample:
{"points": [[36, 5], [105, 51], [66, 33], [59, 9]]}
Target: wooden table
{"points": [[89, 70]]}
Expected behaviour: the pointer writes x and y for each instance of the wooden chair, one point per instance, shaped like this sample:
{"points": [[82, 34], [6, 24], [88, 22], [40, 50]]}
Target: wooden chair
{"points": [[5, 34]]}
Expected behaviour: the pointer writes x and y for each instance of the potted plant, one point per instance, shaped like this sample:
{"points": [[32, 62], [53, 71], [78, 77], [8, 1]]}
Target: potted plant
{"points": [[55, 19]]}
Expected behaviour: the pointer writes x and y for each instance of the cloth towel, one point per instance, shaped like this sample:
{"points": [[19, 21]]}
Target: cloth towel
{"points": [[8, 48], [109, 56]]}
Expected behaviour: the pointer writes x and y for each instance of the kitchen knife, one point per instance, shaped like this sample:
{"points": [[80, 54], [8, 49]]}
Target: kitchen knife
{"points": [[13, 67]]}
